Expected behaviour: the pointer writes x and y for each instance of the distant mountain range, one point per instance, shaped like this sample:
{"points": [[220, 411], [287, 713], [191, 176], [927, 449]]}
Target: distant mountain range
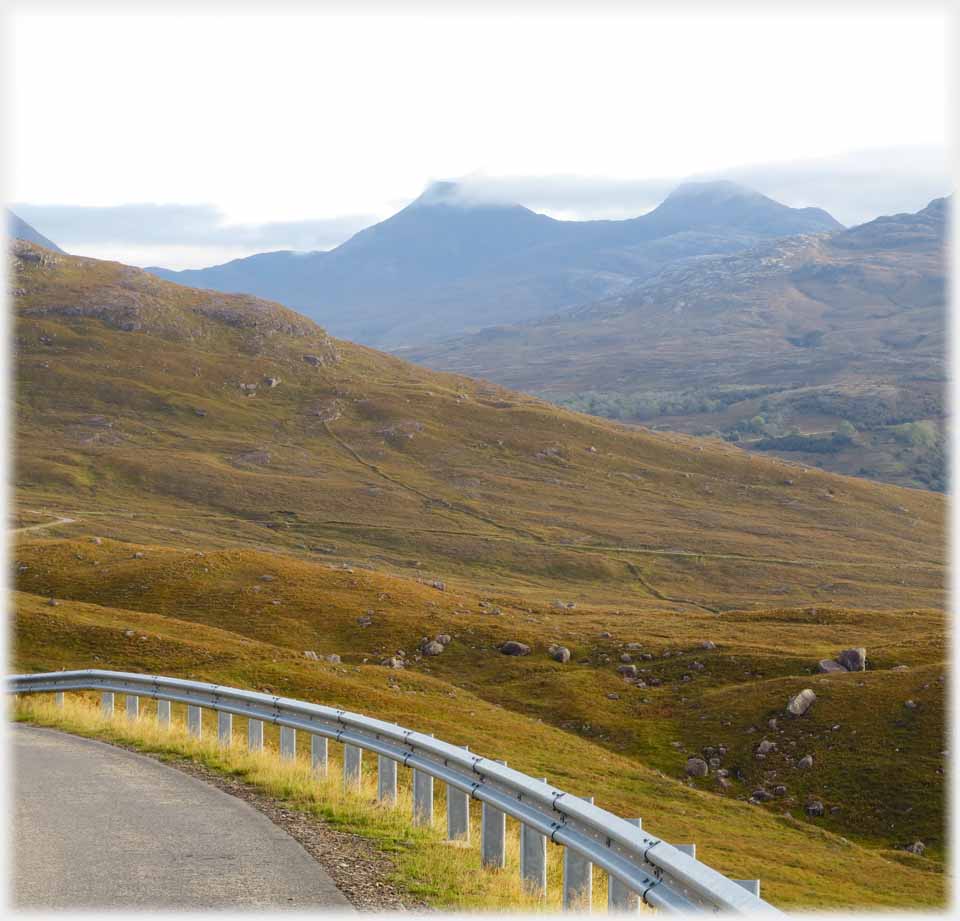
{"points": [[446, 265], [19, 229], [784, 346]]}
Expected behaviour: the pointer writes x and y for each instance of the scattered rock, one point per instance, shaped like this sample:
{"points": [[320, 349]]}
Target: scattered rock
{"points": [[761, 796], [515, 648], [444, 639], [772, 724], [606, 635], [96, 540], [268, 578], [393, 662], [310, 654], [910, 704], [779, 790], [805, 763], [825, 666], [853, 660], [697, 767], [559, 654], [52, 602], [438, 585], [918, 847], [333, 659], [364, 620], [627, 671], [138, 555], [129, 633], [765, 747], [708, 644], [626, 657], [814, 808], [271, 381], [613, 696], [433, 648], [802, 702]]}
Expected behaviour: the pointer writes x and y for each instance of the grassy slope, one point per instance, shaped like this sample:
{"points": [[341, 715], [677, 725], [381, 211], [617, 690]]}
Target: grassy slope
{"points": [[799, 862], [491, 488], [508, 500]]}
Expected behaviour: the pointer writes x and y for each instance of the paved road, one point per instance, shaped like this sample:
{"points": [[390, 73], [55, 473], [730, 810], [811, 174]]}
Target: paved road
{"points": [[100, 827]]}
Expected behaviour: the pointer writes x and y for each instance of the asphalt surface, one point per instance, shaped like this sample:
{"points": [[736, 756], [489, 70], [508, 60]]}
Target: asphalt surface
{"points": [[99, 827]]}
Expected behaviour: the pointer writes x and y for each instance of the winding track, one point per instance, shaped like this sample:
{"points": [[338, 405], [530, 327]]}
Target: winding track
{"points": [[99, 827]]}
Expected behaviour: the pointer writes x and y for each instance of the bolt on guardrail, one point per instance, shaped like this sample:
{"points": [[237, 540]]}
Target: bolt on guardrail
{"points": [[640, 866]]}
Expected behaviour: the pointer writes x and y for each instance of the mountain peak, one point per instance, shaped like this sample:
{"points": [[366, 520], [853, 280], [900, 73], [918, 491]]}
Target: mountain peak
{"points": [[441, 192], [19, 229], [714, 191]]}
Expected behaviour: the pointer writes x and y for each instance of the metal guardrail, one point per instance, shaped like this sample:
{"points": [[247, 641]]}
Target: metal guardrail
{"points": [[640, 865]]}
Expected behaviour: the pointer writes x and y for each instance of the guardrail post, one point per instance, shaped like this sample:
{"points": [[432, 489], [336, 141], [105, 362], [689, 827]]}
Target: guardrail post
{"points": [[458, 814], [194, 721], [318, 754], [288, 743], [533, 858], [58, 699], [386, 779], [690, 849], [619, 897], [422, 798], [106, 703], [163, 713], [577, 879], [224, 727], [254, 735], [352, 766], [133, 707], [493, 835]]}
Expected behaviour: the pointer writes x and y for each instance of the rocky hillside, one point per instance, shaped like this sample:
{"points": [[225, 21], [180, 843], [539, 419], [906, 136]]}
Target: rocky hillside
{"points": [[828, 349]]}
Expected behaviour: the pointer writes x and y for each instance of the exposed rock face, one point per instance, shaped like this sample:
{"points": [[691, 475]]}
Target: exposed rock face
{"points": [[853, 660], [802, 702], [310, 654], [697, 767], [515, 648]]}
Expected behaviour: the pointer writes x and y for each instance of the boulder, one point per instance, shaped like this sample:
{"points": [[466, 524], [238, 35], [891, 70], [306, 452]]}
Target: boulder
{"points": [[805, 763], [129, 633], [918, 847], [799, 704], [268, 578], [333, 659], [626, 657], [559, 654], [853, 660], [761, 796], [443, 639], [515, 648], [708, 644], [697, 767], [765, 747], [433, 648], [627, 671], [814, 808], [825, 666]]}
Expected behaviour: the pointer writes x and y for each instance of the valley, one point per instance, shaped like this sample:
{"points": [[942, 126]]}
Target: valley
{"points": [[212, 486]]}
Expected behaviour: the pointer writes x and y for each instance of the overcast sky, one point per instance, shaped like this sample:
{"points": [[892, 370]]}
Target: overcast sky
{"points": [[187, 138]]}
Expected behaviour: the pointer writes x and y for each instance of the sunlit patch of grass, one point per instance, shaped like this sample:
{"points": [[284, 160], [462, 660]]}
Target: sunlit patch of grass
{"points": [[444, 874]]}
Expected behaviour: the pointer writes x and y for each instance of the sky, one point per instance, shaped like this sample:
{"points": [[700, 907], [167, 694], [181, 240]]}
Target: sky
{"points": [[186, 135]]}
